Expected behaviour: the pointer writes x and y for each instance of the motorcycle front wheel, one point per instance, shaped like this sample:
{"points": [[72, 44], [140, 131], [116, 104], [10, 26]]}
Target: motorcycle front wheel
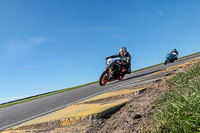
{"points": [[166, 61], [103, 78]]}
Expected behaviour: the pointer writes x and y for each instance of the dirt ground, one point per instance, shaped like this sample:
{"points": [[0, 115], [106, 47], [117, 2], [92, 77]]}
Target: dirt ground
{"points": [[135, 116]]}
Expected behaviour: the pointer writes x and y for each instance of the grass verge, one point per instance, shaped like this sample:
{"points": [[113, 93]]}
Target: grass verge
{"points": [[179, 109]]}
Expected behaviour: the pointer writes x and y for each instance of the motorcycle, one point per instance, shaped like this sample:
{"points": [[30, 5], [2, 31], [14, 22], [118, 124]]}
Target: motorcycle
{"points": [[112, 72], [170, 58]]}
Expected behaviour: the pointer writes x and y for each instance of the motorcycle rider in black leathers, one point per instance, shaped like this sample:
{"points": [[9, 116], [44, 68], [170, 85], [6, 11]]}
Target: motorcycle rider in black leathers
{"points": [[175, 53], [126, 60]]}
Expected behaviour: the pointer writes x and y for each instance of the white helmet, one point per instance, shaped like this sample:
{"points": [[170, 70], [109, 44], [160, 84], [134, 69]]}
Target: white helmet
{"points": [[123, 50]]}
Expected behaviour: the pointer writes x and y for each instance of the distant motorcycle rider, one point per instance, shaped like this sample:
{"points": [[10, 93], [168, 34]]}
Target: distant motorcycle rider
{"points": [[126, 60], [175, 53]]}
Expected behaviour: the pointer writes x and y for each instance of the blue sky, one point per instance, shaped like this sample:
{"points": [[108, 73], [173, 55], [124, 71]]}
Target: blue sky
{"points": [[47, 45]]}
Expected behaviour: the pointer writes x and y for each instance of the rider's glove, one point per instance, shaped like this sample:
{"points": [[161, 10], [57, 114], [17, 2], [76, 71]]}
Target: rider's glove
{"points": [[107, 58]]}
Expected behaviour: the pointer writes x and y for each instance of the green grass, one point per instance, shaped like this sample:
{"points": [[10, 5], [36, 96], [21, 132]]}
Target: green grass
{"points": [[64, 90], [179, 108]]}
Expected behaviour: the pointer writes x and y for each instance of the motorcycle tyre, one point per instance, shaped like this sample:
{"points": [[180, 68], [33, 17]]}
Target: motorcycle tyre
{"points": [[166, 61], [102, 77]]}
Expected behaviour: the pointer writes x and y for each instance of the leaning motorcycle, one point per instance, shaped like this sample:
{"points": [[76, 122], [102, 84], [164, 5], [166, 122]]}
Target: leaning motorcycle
{"points": [[169, 58], [113, 71]]}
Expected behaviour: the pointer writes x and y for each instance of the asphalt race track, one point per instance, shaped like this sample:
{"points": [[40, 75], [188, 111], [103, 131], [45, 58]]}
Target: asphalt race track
{"points": [[17, 114]]}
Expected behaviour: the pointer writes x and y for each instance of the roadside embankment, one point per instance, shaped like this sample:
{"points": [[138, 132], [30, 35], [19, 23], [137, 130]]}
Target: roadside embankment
{"points": [[179, 108]]}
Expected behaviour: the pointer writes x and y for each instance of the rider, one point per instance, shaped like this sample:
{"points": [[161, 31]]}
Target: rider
{"points": [[126, 59], [175, 53]]}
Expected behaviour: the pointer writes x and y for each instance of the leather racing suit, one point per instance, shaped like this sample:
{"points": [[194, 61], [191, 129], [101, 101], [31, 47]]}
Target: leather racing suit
{"points": [[126, 58]]}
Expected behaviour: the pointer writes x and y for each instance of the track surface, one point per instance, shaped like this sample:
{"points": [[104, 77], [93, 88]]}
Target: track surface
{"points": [[17, 114]]}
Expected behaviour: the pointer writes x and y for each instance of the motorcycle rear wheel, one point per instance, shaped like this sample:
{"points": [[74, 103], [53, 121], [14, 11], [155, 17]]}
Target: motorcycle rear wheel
{"points": [[121, 77], [103, 78]]}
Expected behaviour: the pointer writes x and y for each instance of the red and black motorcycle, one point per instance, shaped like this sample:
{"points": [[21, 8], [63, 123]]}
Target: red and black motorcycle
{"points": [[113, 71]]}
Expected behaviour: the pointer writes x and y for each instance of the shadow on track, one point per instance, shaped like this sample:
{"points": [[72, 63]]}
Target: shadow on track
{"points": [[136, 76], [142, 75]]}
